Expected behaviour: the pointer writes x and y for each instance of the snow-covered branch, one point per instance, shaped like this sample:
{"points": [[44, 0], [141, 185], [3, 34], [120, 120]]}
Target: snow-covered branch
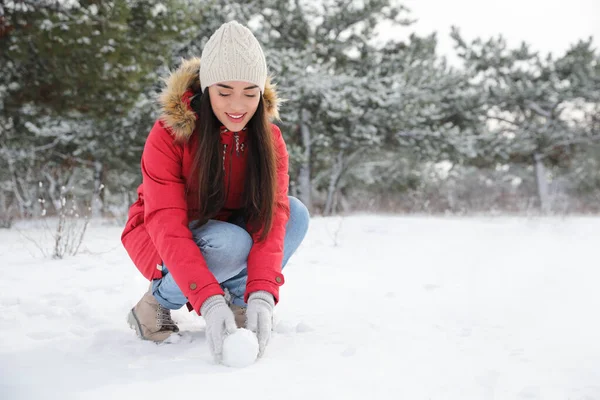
{"points": [[568, 142], [533, 106]]}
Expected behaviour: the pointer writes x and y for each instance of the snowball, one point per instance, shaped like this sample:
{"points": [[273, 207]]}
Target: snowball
{"points": [[240, 349]]}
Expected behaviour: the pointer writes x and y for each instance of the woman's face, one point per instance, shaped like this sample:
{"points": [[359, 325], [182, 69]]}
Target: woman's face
{"points": [[234, 103]]}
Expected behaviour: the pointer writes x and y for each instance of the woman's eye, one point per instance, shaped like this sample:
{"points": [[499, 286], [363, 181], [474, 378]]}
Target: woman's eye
{"points": [[229, 94]]}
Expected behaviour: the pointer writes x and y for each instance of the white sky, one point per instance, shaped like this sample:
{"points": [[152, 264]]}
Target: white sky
{"points": [[549, 26]]}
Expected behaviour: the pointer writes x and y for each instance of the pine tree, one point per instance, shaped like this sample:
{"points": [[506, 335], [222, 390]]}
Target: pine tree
{"points": [[73, 73], [534, 104]]}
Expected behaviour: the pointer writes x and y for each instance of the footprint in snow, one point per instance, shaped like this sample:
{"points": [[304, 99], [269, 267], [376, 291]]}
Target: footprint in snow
{"points": [[287, 327], [349, 351]]}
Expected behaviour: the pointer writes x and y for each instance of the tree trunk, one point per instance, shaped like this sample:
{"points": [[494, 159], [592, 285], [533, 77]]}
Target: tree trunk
{"points": [[336, 173], [20, 192], [5, 209], [304, 180], [542, 182], [53, 192], [344, 205], [98, 195]]}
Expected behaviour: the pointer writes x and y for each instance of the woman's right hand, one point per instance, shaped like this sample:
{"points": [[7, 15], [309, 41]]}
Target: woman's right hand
{"points": [[220, 322]]}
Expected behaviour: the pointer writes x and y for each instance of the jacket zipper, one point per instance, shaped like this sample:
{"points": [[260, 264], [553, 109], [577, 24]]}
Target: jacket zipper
{"points": [[237, 144], [229, 174]]}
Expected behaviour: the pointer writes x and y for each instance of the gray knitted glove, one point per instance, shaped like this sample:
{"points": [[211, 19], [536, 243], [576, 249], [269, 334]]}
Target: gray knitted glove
{"points": [[219, 323], [260, 317]]}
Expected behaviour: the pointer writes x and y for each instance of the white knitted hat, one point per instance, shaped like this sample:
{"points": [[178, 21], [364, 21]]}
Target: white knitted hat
{"points": [[233, 54]]}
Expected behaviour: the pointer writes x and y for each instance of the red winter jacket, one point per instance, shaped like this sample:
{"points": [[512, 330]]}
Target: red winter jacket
{"points": [[157, 227]]}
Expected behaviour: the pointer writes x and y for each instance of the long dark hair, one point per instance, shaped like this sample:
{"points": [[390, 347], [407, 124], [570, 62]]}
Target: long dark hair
{"points": [[261, 177]]}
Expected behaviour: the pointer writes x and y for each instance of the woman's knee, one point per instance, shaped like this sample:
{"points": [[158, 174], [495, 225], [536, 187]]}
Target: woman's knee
{"points": [[299, 214], [223, 238]]}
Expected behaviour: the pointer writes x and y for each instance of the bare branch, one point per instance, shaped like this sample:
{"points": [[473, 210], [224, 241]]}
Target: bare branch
{"points": [[47, 146], [79, 160], [504, 120], [34, 241]]}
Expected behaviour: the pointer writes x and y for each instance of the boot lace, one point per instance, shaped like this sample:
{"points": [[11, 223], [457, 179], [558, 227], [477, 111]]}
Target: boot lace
{"points": [[163, 318]]}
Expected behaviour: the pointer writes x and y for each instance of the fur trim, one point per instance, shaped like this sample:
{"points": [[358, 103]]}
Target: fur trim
{"points": [[175, 111]]}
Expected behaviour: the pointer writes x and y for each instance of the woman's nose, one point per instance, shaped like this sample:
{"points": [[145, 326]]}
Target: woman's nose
{"points": [[237, 104]]}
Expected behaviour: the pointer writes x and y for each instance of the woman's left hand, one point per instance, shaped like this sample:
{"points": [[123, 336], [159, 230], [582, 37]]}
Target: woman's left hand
{"points": [[259, 316]]}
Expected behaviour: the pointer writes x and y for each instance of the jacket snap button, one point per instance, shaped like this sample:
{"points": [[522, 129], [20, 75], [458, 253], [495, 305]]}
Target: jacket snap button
{"points": [[193, 286], [278, 279]]}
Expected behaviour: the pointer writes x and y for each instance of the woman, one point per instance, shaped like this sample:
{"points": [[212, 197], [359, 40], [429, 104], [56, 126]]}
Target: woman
{"points": [[213, 225]]}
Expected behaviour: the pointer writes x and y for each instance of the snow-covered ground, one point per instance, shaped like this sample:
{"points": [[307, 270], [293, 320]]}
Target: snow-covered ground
{"points": [[374, 307]]}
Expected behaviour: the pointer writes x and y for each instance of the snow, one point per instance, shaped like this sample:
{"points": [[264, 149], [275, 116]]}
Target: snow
{"points": [[158, 8], [240, 349], [398, 307]]}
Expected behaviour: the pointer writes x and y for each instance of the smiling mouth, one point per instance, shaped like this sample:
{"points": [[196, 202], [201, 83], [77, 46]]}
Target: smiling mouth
{"points": [[236, 117]]}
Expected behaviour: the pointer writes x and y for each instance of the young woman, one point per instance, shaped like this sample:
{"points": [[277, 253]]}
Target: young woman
{"points": [[213, 225]]}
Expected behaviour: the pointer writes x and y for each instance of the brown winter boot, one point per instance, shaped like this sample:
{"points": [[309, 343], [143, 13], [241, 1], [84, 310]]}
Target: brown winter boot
{"points": [[150, 320], [240, 315]]}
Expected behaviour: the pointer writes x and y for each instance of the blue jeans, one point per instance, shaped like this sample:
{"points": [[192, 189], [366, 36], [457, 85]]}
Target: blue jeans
{"points": [[225, 247]]}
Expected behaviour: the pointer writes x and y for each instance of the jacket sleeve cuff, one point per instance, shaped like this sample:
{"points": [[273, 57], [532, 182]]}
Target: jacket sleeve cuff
{"points": [[266, 285], [199, 296]]}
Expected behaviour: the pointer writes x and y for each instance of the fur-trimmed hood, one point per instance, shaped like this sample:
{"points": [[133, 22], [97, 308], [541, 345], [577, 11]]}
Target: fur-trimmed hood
{"points": [[181, 85]]}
